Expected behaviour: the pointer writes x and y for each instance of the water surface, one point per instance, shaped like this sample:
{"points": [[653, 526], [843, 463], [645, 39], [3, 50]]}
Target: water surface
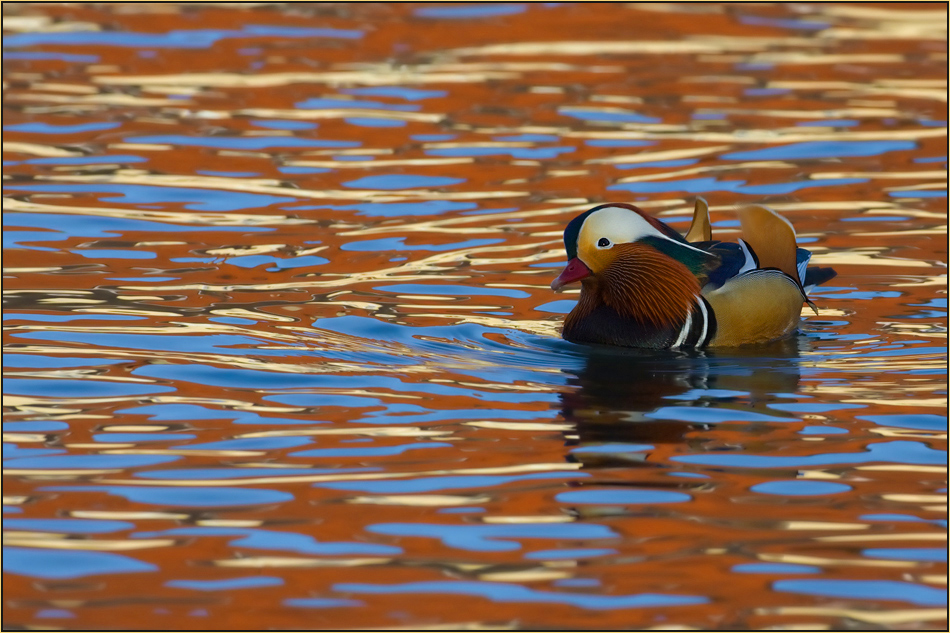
{"points": [[281, 351]]}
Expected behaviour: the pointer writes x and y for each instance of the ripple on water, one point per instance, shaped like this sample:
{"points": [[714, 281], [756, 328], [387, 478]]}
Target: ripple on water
{"points": [[69, 564], [190, 497], [292, 311], [510, 592]]}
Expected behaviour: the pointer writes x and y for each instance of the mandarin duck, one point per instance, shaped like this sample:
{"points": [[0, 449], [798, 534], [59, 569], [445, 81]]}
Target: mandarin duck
{"points": [[644, 285]]}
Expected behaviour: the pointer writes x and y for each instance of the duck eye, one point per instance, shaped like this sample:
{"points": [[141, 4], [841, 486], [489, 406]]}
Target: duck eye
{"points": [[603, 242]]}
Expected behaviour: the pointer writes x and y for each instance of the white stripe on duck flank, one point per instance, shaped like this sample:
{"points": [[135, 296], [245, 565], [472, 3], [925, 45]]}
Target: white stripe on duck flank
{"points": [[702, 337], [685, 331], [695, 332]]}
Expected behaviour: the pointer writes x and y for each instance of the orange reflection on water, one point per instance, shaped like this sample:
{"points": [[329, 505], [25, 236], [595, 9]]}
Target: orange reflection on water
{"points": [[281, 349]]}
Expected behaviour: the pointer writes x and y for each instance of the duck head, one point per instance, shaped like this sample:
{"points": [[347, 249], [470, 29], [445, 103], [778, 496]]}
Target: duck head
{"points": [[633, 267], [620, 235]]}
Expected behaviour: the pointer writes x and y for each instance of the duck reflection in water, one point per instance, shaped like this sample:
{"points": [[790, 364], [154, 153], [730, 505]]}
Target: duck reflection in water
{"points": [[654, 397]]}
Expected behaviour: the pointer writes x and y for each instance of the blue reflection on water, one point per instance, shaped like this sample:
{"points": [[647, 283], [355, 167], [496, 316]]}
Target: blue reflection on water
{"points": [[40, 56], [485, 537], [813, 407], [411, 414], [66, 462], [696, 394], [396, 209], [319, 103], [398, 244], [561, 306], [228, 174], [490, 212], [35, 360], [432, 484], [217, 343], [34, 426], [39, 127], [658, 163], [370, 122], [829, 123], [898, 452], [712, 416], [878, 218], [177, 496], [248, 582], [303, 170], [369, 451], [142, 437], [398, 92], [240, 142], [253, 261], [530, 351], [918, 194], [15, 450], [866, 590], [704, 185], [63, 564], [569, 554], [617, 142], [77, 388], [280, 124], [197, 38], [62, 225], [615, 115], [259, 379], [167, 412], [805, 25], [525, 153], [800, 488], [391, 182], [621, 496], [322, 603], [324, 400], [509, 592], [433, 289], [775, 568], [822, 149], [197, 199], [232, 321], [17, 239], [281, 541], [98, 253], [55, 613], [613, 448], [529, 138], [922, 421], [908, 553], [242, 472], [250, 444], [465, 11], [68, 526], [765, 92], [822, 430]]}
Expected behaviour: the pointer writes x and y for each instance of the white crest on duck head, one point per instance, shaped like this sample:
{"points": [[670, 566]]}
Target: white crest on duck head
{"points": [[622, 224]]}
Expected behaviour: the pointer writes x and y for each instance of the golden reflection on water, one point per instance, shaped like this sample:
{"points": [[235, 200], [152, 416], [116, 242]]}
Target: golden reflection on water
{"points": [[215, 347]]}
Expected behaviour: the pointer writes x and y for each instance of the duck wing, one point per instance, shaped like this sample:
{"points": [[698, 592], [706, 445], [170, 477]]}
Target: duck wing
{"points": [[756, 293], [700, 230]]}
